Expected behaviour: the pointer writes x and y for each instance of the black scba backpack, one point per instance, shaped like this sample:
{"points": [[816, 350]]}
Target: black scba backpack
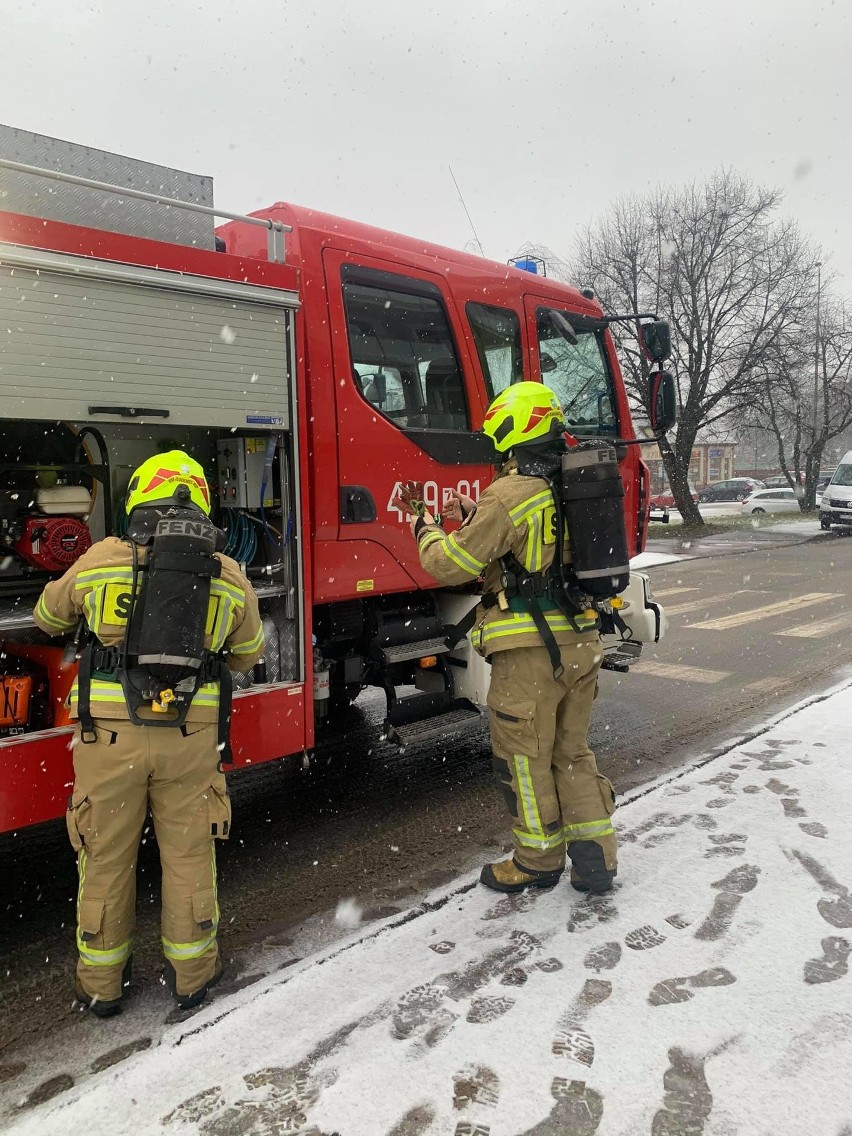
{"points": [[163, 661], [588, 496]]}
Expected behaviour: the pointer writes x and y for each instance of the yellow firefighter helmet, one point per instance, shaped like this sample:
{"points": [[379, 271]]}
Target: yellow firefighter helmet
{"points": [[523, 412], [159, 477]]}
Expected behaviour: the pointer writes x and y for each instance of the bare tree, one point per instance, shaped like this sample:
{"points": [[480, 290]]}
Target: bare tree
{"points": [[808, 396], [715, 260]]}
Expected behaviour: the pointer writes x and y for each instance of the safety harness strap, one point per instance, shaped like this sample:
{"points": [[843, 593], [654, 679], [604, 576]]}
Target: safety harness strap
{"points": [[464, 626], [223, 725], [527, 592], [84, 696]]}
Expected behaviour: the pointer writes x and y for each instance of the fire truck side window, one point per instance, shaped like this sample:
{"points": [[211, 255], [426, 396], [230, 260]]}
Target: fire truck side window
{"points": [[497, 334], [404, 361], [578, 373]]}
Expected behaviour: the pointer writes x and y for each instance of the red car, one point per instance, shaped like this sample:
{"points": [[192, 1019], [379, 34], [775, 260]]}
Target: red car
{"points": [[665, 500]]}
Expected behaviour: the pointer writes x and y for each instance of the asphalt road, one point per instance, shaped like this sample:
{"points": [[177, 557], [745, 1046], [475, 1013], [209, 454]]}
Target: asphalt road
{"points": [[751, 633]]}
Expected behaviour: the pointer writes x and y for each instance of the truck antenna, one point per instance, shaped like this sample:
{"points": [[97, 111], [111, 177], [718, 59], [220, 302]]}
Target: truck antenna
{"points": [[467, 214]]}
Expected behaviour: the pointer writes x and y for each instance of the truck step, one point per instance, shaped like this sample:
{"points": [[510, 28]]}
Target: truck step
{"points": [[404, 652], [447, 723]]}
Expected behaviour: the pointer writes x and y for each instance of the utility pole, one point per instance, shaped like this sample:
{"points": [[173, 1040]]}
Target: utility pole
{"points": [[816, 351]]}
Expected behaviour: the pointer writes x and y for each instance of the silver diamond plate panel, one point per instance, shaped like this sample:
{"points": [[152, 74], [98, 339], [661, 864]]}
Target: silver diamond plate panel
{"points": [[76, 205], [282, 645]]}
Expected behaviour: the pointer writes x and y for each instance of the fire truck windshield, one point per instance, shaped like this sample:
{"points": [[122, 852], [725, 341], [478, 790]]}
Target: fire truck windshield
{"points": [[579, 374]]}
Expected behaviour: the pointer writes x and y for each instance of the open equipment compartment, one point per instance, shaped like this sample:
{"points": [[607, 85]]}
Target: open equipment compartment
{"points": [[103, 364]]}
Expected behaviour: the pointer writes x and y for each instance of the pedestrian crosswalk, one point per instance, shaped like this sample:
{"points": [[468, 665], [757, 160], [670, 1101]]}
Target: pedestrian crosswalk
{"points": [[680, 672], [704, 603], [819, 629], [794, 617], [764, 611]]}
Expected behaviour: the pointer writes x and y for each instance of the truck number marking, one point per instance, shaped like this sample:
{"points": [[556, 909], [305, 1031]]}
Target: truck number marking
{"points": [[433, 493]]}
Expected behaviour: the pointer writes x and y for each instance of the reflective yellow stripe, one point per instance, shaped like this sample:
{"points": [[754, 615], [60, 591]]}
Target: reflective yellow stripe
{"points": [[188, 950], [429, 537], [523, 625], [95, 575], [220, 587], [49, 618], [590, 830], [91, 957], [119, 955], [522, 511], [194, 950], [465, 554], [102, 690], [534, 551], [528, 801], [543, 843], [249, 646], [461, 558]]}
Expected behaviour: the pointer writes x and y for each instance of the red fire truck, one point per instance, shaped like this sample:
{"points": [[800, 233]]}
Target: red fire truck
{"points": [[311, 364]]}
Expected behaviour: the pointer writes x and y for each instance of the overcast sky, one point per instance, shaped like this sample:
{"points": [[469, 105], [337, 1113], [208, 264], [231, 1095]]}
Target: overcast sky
{"points": [[545, 111]]}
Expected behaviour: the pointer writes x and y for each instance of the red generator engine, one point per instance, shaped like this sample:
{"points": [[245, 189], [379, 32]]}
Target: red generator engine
{"points": [[45, 529], [52, 543]]}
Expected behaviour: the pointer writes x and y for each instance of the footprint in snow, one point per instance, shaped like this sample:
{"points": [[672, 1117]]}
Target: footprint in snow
{"points": [[837, 911], [577, 1111], [476, 1088], [571, 1039], [732, 887], [727, 844], [834, 963], [644, 938], [673, 990], [483, 1010]]}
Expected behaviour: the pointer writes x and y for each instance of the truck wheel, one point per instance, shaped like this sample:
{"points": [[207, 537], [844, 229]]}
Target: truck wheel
{"points": [[825, 524]]}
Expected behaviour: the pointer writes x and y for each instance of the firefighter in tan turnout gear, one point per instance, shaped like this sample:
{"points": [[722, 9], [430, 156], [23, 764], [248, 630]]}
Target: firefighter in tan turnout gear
{"points": [[542, 681], [166, 616]]}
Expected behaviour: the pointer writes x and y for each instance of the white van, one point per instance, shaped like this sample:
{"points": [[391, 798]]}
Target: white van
{"points": [[836, 505]]}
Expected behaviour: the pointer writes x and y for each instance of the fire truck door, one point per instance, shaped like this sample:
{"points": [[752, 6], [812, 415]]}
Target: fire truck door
{"points": [[407, 396]]}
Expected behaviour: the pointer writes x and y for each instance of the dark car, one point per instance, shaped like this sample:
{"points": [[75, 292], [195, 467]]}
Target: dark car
{"points": [[734, 489], [780, 482]]}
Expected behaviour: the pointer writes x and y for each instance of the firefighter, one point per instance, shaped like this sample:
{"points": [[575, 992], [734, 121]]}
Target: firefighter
{"points": [[122, 768], [540, 699]]}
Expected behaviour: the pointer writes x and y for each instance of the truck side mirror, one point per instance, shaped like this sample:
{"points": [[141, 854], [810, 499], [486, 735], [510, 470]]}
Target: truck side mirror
{"points": [[662, 401], [656, 340]]}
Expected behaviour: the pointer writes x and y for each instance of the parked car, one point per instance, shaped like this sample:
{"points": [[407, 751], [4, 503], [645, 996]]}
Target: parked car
{"points": [[835, 507], [771, 501], [665, 499], [780, 481], [734, 489]]}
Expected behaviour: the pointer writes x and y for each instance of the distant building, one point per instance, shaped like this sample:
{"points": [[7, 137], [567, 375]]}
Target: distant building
{"points": [[711, 461]]}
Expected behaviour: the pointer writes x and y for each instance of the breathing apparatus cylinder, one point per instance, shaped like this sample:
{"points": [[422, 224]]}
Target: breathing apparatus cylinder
{"points": [[591, 494], [169, 619]]}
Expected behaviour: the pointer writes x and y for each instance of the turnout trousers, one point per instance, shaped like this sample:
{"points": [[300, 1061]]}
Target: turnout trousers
{"points": [[539, 735], [116, 778]]}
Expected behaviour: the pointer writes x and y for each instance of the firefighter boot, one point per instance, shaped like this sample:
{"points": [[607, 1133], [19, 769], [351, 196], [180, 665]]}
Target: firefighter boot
{"points": [[190, 1001], [588, 867], [509, 875], [104, 1007]]}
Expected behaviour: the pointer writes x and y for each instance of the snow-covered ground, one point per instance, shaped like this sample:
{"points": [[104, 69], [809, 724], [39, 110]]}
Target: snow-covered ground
{"points": [[707, 994]]}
